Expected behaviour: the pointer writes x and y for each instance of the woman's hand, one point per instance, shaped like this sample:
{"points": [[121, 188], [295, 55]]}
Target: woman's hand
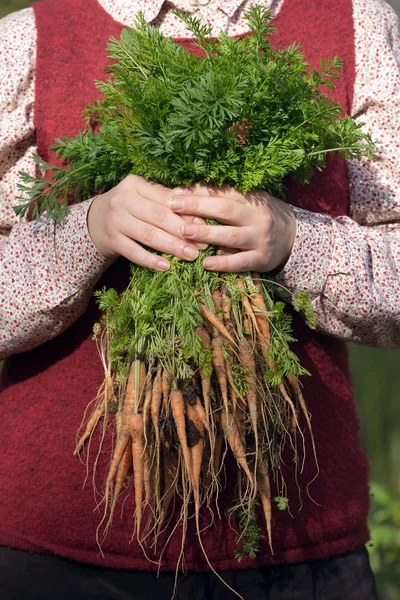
{"points": [[136, 213], [260, 227]]}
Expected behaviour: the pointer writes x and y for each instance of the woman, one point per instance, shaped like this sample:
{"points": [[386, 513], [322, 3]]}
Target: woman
{"points": [[348, 264]]}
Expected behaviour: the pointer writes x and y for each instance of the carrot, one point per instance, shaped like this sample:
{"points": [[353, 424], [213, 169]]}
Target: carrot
{"points": [[261, 314], [214, 320], [146, 475], [166, 388], [246, 358], [205, 380], [91, 425], [178, 412], [232, 435], [226, 306], [219, 366], [196, 453], [156, 396], [147, 403], [264, 489], [217, 301], [123, 469], [218, 443], [240, 417], [246, 304], [201, 414], [137, 434]]}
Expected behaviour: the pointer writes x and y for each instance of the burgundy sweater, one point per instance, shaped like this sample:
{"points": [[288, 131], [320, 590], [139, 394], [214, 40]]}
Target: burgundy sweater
{"points": [[44, 393]]}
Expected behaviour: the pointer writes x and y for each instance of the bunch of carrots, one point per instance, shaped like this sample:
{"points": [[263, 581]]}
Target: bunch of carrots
{"points": [[175, 431]]}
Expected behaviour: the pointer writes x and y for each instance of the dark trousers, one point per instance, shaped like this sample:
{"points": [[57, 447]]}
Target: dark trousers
{"points": [[26, 576]]}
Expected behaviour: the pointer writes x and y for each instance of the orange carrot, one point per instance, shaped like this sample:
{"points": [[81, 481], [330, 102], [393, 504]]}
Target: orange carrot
{"points": [[156, 397], [123, 469], [146, 475], [178, 412], [217, 301], [147, 403], [201, 414], [218, 443], [246, 304], [226, 306], [137, 434], [232, 435], [196, 453], [205, 381], [166, 388], [261, 314], [91, 425], [220, 371], [246, 358], [264, 489], [214, 320]]}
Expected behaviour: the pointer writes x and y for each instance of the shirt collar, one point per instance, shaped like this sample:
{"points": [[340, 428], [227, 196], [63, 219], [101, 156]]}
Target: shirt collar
{"points": [[151, 8]]}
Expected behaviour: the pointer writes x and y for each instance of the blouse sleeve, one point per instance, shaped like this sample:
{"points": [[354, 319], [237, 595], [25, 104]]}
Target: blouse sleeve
{"points": [[350, 265], [47, 270]]}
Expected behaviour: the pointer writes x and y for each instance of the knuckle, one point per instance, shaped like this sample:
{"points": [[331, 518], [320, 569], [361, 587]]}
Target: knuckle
{"points": [[176, 247], [130, 180], [226, 208], [235, 238], [223, 263], [116, 201], [147, 233], [193, 205], [158, 213], [203, 233], [244, 262]]}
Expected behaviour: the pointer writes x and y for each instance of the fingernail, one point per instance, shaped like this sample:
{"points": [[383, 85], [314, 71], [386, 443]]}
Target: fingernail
{"points": [[176, 204], [188, 229], [197, 220], [190, 252], [208, 263], [178, 191], [163, 264]]}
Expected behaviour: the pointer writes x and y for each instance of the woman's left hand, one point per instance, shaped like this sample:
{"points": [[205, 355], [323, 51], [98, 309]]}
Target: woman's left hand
{"points": [[260, 227]]}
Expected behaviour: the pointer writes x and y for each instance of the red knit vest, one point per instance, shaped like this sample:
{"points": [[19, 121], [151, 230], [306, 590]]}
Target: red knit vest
{"points": [[44, 393]]}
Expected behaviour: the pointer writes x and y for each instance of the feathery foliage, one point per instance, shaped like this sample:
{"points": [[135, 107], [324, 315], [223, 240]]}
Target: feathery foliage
{"points": [[243, 115]]}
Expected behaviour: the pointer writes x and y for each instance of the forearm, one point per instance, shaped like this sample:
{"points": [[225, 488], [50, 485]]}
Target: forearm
{"points": [[47, 273], [352, 274]]}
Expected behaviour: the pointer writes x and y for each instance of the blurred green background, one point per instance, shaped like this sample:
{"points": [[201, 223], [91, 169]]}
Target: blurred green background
{"points": [[376, 375]]}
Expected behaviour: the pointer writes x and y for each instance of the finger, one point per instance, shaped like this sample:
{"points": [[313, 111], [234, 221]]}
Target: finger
{"points": [[224, 210], [150, 190], [226, 235], [197, 220], [191, 219], [156, 215], [160, 240], [233, 263], [141, 257]]}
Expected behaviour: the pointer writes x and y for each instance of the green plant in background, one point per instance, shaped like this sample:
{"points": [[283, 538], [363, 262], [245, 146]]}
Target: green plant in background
{"points": [[384, 548]]}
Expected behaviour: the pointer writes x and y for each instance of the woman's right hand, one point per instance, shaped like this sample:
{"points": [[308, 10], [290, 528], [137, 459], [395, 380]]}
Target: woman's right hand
{"points": [[134, 214]]}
